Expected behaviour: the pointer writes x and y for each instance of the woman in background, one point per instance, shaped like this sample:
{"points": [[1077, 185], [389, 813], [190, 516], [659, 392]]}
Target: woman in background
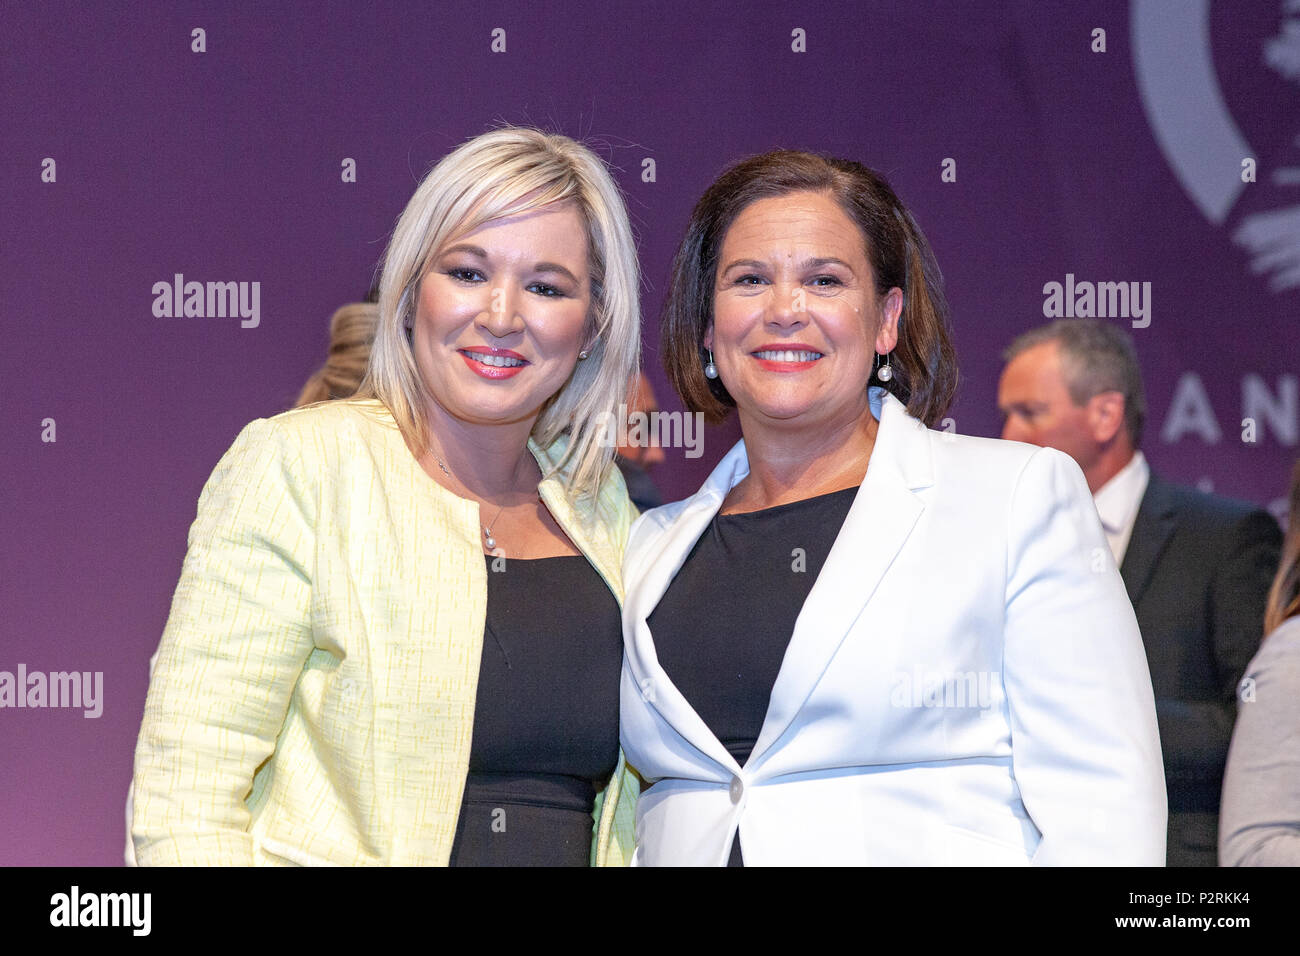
{"points": [[352, 333], [1260, 820], [365, 662], [863, 642]]}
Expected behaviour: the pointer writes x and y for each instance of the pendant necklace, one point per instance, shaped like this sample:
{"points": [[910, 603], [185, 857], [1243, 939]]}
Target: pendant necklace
{"points": [[490, 541]]}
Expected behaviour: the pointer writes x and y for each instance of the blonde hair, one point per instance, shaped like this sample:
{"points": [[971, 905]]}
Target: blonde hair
{"points": [[502, 173], [352, 330]]}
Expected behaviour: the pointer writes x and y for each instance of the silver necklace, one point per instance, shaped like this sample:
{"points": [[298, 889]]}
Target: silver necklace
{"points": [[490, 541]]}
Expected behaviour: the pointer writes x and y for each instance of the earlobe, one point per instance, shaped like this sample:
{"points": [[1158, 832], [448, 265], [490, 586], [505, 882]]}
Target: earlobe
{"points": [[707, 341], [1108, 415], [886, 339], [891, 309]]}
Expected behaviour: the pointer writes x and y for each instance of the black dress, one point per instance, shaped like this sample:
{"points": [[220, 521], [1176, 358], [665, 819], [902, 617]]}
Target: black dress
{"points": [[545, 715], [722, 628]]}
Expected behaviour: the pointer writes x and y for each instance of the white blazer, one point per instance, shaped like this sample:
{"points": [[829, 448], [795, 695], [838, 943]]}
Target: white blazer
{"points": [[965, 684]]}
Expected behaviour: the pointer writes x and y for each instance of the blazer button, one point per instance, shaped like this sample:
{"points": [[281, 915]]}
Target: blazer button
{"points": [[737, 789]]}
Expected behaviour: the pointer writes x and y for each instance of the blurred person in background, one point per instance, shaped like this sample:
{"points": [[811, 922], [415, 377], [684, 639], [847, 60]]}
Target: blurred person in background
{"points": [[352, 333], [636, 460], [1196, 566], [1261, 788]]}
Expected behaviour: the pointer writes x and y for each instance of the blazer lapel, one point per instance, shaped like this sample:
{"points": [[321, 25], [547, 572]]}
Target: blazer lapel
{"points": [[1155, 523], [882, 516], [593, 537], [650, 581]]}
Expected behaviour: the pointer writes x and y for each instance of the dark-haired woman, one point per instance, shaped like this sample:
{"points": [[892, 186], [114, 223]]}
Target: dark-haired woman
{"points": [[1260, 817], [864, 642]]}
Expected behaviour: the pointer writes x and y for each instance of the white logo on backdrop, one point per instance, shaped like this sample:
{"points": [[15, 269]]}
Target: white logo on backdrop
{"points": [[1184, 105]]}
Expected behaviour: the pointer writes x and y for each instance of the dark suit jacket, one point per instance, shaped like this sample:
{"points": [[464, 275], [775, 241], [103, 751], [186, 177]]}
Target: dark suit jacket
{"points": [[1198, 569], [640, 487]]}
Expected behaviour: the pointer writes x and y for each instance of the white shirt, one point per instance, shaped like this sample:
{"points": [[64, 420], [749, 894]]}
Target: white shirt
{"points": [[1117, 503]]}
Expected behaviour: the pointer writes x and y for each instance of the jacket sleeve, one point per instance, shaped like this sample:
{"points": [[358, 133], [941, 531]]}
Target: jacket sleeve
{"points": [[1085, 745], [234, 646], [615, 841], [613, 838], [1260, 822], [1196, 732], [1238, 597]]}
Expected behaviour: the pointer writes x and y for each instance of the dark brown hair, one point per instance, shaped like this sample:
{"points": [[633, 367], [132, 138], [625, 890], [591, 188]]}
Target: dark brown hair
{"points": [[1284, 597], [924, 362]]}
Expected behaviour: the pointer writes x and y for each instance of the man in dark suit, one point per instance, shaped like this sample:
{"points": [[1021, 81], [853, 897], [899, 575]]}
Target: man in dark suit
{"points": [[1197, 566]]}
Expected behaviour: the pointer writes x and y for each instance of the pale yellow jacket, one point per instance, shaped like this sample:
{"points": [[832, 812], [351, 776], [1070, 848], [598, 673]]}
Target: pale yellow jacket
{"points": [[313, 699]]}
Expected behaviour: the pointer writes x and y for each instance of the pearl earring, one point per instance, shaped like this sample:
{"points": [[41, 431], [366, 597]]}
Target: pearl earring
{"points": [[884, 373], [710, 370], [583, 354]]}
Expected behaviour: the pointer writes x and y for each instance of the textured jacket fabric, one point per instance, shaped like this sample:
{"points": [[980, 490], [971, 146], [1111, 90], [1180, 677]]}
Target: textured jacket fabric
{"points": [[313, 699]]}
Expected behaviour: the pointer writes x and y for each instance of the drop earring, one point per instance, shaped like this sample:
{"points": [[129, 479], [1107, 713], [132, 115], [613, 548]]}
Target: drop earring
{"points": [[710, 370], [884, 373]]}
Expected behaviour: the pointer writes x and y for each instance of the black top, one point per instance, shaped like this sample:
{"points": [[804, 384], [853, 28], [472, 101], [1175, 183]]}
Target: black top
{"points": [[722, 627], [545, 715]]}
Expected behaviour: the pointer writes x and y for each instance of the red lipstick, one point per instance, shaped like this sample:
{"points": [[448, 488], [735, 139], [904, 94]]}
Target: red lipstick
{"points": [[514, 362], [786, 356]]}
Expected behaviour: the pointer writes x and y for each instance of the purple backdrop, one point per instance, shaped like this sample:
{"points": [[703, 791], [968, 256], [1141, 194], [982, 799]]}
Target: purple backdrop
{"points": [[1122, 165]]}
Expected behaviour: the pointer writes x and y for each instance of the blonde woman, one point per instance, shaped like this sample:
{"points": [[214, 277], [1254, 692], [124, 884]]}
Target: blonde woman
{"points": [[367, 659]]}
